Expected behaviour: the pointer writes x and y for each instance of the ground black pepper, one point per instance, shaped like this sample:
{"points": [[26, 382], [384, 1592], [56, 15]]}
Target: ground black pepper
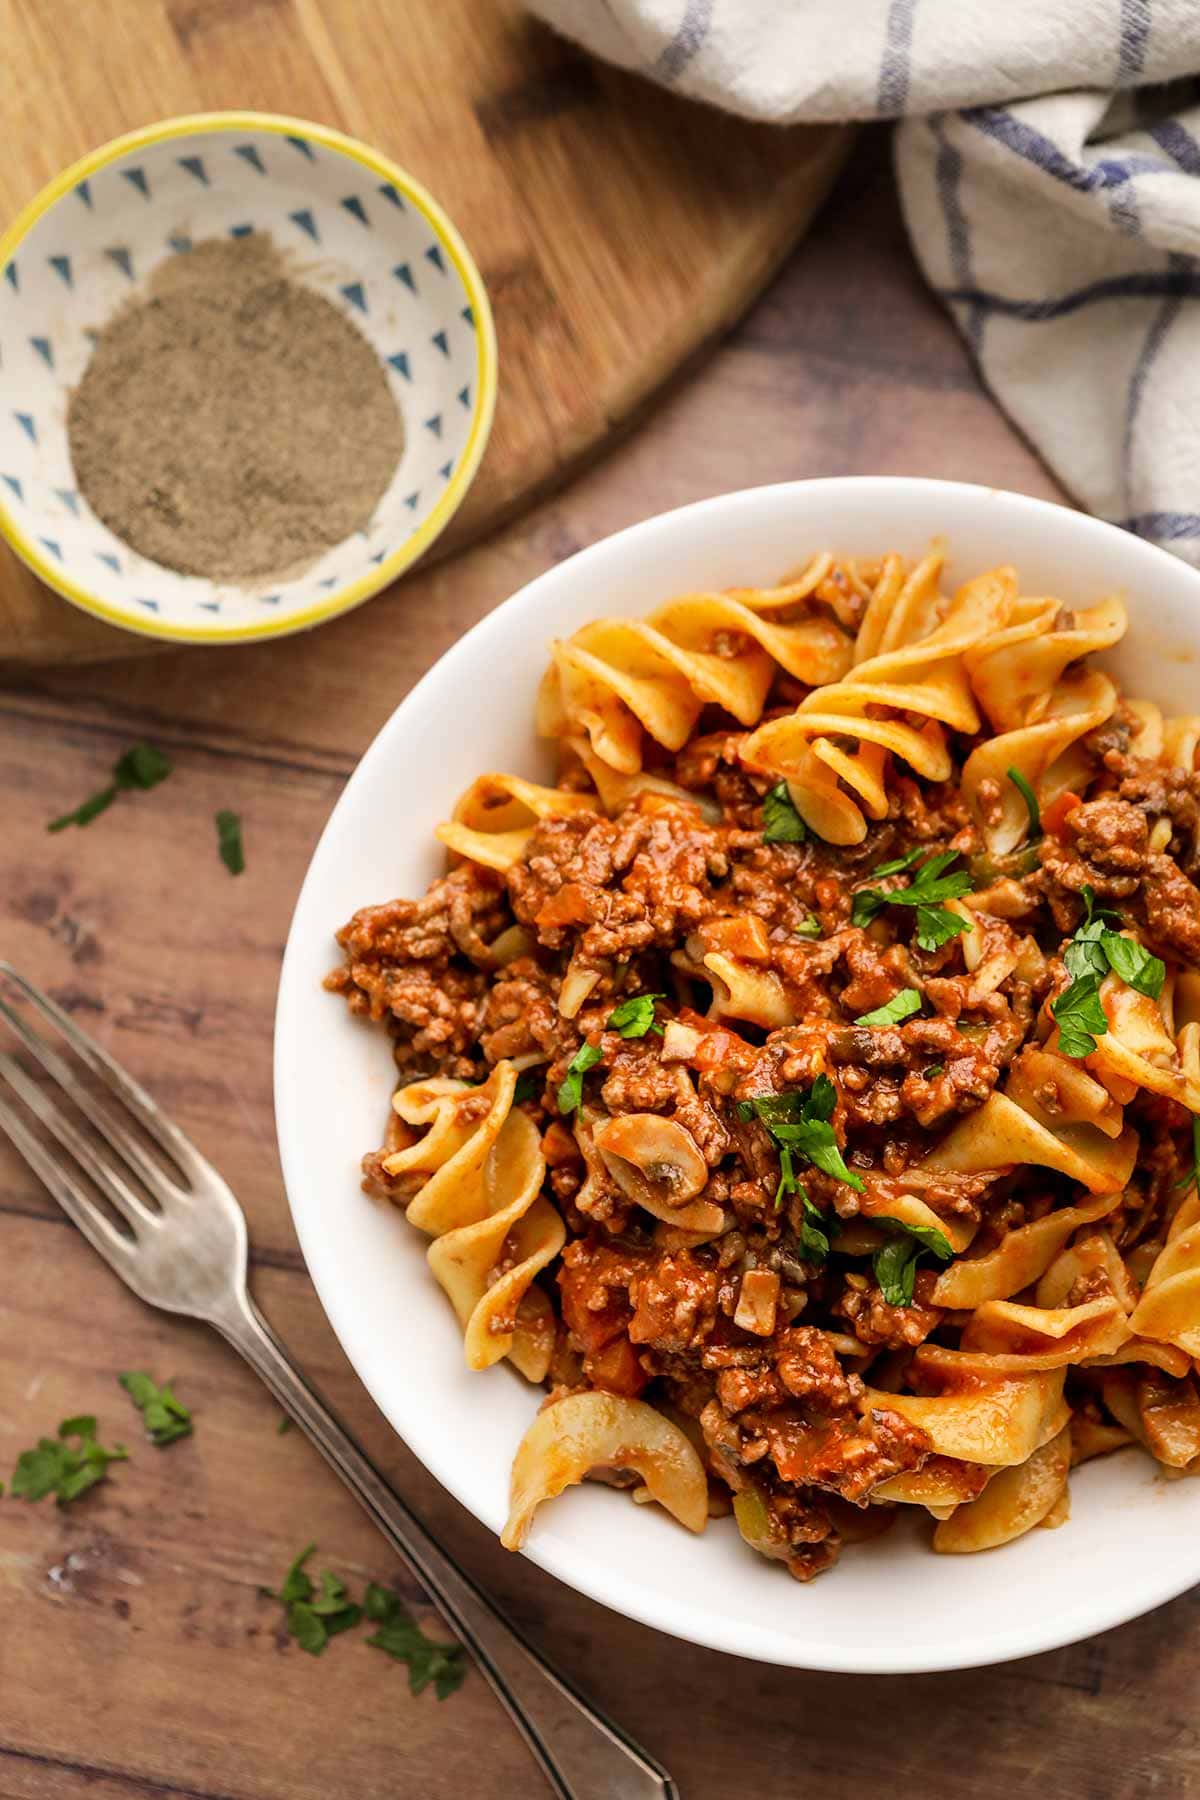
{"points": [[231, 422]]}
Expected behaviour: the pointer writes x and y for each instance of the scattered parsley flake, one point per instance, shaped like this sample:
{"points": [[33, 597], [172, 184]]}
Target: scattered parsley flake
{"points": [[1193, 1174], [809, 927], [900, 862], [570, 1092], [929, 887], [399, 1636], [229, 842], [164, 1417], [936, 925], [141, 767], [314, 1615], [64, 1469], [1091, 953], [782, 824], [933, 1070], [1134, 964], [816, 1229], [635, 1017], [1080, 1016], [800, 1122], [895, 1263], [284, 1426], [901, 1006]]}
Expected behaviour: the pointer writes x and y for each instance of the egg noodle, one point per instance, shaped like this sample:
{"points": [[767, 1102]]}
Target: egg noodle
{"points": [[804, 1089]]}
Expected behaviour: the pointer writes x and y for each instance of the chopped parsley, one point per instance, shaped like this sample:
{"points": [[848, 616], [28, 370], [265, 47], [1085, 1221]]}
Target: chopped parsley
{"points": [[1193, 1174], [570, 1091], [284, 1426], [809, 927], [1080, 1016], [62, 1468], [901, 1006], [141, 767], [314, 1615], [782, 824], [1031, 801], [1091, 953], [800, 1123], [816, 1229], [529, 1085], [635, 1017], [929, 887], [229, 842], [934, 1070], [900, 862], [895, 1263], [815, 1226], [398, 1634], [164, 1417]]}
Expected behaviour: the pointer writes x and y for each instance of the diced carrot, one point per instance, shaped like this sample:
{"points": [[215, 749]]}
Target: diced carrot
{"points": [[616, 1368], [568, 907], [1055, 814]]}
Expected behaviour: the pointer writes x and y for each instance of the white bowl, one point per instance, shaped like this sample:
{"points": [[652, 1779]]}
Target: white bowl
{"points": [[890, 1606], [357, 229]]}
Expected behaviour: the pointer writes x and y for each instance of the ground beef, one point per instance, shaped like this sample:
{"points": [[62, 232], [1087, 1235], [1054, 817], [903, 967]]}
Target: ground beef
{"points": [[675, 1303], [1172, 906], [879, 1325], [611, 908]]}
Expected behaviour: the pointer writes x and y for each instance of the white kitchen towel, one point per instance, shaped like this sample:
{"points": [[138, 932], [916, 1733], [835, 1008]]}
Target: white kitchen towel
{"points": [[1048, 155]]}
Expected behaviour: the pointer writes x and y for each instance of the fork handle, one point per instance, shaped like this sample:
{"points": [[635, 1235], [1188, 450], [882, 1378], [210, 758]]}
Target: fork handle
{"points": [[583, 1755]]}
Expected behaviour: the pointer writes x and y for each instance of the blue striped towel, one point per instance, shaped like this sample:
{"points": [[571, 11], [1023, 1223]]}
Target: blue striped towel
{"points": [[1048, 154]]}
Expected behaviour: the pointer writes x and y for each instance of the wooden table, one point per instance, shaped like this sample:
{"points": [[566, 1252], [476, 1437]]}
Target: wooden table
{"points": [[136, 1658]]}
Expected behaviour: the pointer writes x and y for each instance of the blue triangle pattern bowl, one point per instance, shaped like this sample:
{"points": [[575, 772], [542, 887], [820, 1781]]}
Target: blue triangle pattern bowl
{"points": [[358, 230]]}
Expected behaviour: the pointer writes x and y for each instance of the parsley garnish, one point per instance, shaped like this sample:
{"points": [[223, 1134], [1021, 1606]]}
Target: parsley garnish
{"points": [[900, 1006], [1193, 1174], [529, 1085], [141, 767], [165, 1417], [63, 1469], [402, 1638], [933, 1070], [816, 1229], [229, 842], [635, 1017], [800, 1122], [284, 1426], [809, 927], [927, 889], [570, 1092], [895, 1263], [782, 824], [901, 862], [314, 1616], [1080, 1016], [1031, 801], [1091, 953]]}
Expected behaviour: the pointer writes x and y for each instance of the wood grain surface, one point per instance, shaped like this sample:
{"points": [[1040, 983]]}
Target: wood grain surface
{"points": [[618, 230], [136, 1659]]}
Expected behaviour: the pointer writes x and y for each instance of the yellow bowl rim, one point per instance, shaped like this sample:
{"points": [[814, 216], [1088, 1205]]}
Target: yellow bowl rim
{"points": [[414, 546]]}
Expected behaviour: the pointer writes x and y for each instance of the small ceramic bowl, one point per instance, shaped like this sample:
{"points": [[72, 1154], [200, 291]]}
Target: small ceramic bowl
{"points": [[358, 230]]}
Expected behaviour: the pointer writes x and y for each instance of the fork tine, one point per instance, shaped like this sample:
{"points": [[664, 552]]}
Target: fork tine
{"points": [[129, 1204], [100, 1232], [114, 1077]]}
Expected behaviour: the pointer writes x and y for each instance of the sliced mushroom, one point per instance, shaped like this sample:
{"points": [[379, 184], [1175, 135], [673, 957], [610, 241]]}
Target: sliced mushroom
{"points": [[655, 1162]]}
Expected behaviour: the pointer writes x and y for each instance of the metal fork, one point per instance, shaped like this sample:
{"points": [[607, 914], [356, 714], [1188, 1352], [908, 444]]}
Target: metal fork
{"points": [[190, 1257]]}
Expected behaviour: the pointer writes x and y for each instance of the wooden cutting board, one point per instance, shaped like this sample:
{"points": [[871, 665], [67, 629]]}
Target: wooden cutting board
{"points": [[618, 230]]}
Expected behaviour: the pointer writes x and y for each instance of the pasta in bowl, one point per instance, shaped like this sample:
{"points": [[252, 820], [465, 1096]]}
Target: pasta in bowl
{"points": [[796, 1081]]}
